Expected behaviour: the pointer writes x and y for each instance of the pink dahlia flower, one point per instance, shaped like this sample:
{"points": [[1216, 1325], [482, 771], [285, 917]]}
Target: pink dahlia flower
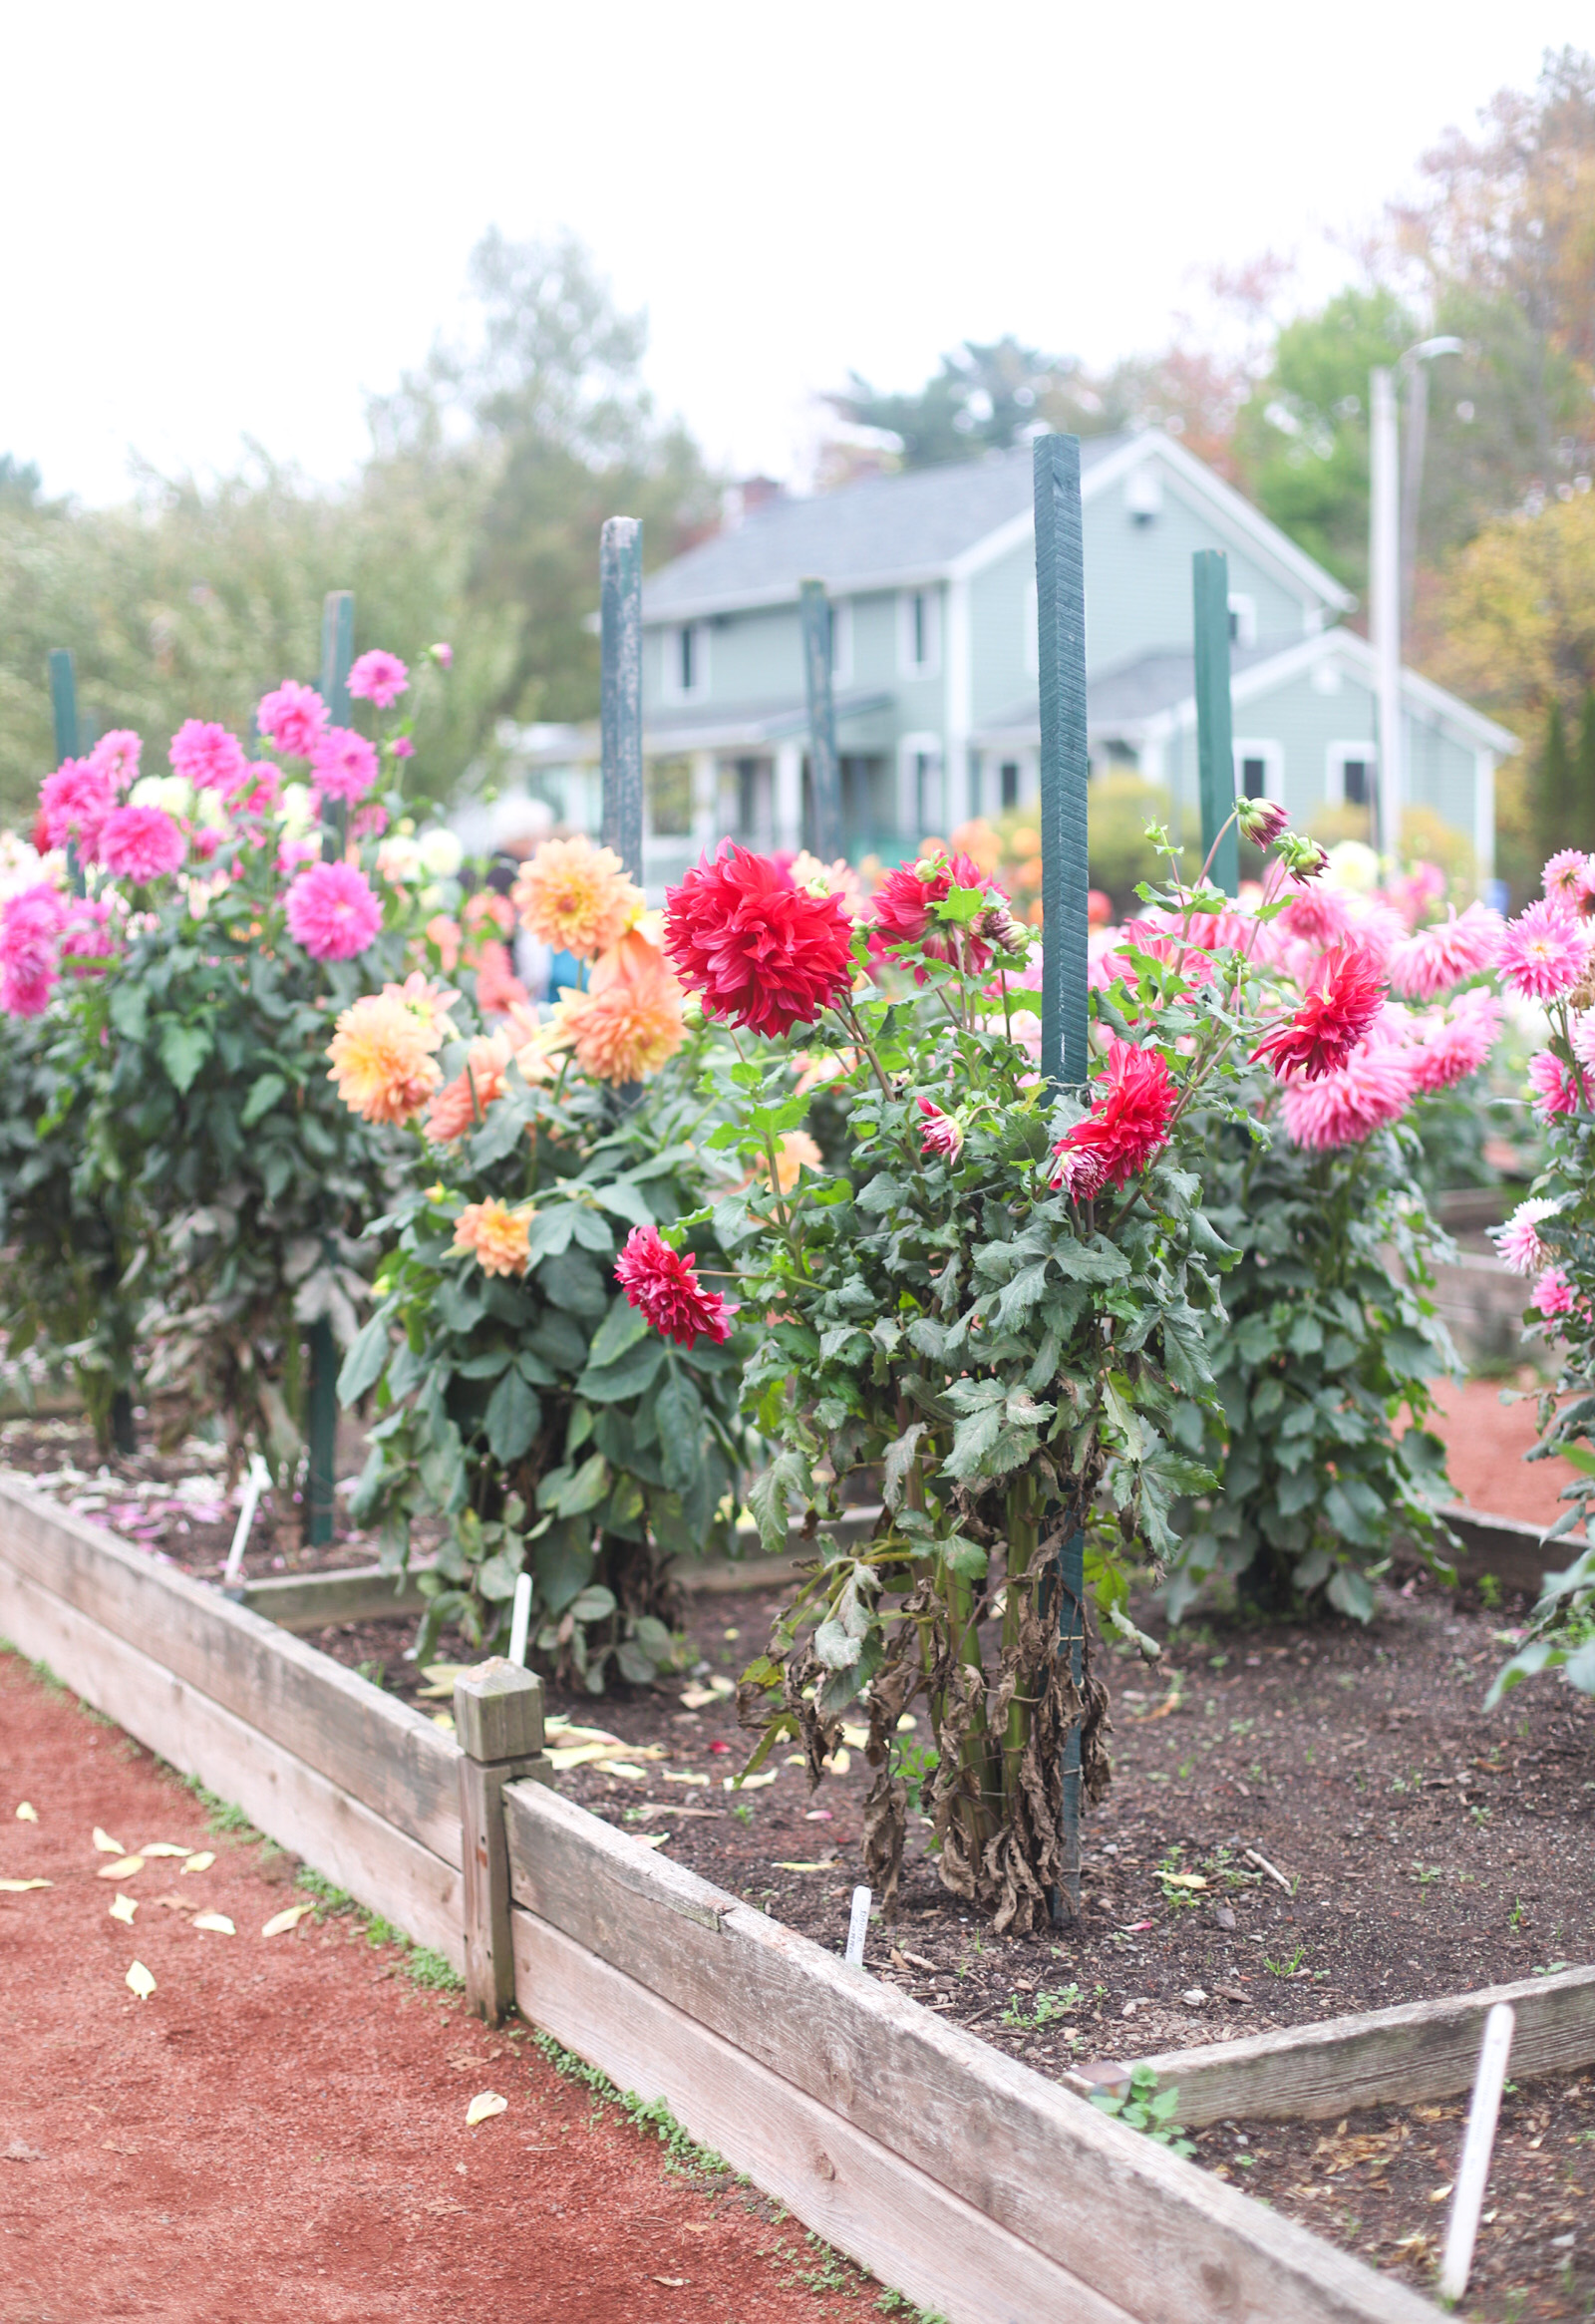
{"points": [[344, 765], [1569, 880], [261, 789], [1320, 915], [1371, 1090], [942, 1133], [1450, 1046], [402, 747], [116, 753], [1553, 1293], [73, 805], [331, 912], [1132, 1105], [379, 678], [295, 718], [1517, 1243], [442, 655], [207, 755], [1435, 958], [1542, 952], [31, 923], [1343, 998], [1555, 1090], [139, 843]]}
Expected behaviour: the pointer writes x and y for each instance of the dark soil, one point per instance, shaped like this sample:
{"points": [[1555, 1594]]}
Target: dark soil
{"points": [[277, 2133]]}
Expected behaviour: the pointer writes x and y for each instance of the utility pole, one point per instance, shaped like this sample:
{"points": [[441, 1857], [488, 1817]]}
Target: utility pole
{"points": [[1385, 607]]}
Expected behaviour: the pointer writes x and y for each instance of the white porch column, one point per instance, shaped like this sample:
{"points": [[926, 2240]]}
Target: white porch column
{"points": [[957, 805], [789, 802], [1485, 813], [705, 828]]}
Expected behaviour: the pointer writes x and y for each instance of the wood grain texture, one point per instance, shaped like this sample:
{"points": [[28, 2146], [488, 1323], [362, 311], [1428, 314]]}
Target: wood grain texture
{"points": [[890, 2218], [499, 1710], [296, 1806], [387, 1755], [1165, 2241], [359, 1593], [1427, 2049]]}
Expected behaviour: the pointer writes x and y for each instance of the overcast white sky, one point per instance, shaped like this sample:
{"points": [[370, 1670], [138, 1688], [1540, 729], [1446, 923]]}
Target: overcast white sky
{"points": [[229, 221]]}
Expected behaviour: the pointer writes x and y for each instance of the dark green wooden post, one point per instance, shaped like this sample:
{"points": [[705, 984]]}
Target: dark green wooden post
{"points": [[823, 767], [321, 1429], [1064, 878], [620, 688], [1215, 754], [64, 708]]}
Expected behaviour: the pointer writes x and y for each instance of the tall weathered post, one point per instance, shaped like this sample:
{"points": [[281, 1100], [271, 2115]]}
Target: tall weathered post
{"points": [[1215, 753], [823, 765], [1065, 1037], [620, 689], [337, 656]]}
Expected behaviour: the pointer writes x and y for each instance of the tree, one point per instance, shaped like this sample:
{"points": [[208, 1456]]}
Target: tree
{"points": [[1514, 613], [1555, 808], [983, 399], [1584, 767], [1302, 437]]}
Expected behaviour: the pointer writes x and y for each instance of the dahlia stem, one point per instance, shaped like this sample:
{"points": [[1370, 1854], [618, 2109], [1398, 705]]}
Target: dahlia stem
{"points": [[1021, 1551]]}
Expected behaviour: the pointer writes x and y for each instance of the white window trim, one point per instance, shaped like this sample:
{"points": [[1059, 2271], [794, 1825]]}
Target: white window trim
{"points": [[1273, 758], [841, 641], [1032, 630], [1335, 757], [917, 746], [1243, 609], [671, 688], [907, 667]]}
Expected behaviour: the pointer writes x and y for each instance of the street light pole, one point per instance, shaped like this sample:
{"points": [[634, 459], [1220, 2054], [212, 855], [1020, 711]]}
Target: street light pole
{"points": [[1393, 557]]}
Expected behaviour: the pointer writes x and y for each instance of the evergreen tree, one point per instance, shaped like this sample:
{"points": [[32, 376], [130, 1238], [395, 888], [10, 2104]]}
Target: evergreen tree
{"points": [[1584, 773], [1555, 807]]}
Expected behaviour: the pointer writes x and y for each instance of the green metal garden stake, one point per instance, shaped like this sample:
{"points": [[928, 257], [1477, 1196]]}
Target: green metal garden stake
{"points": [[1065, 874], [825, 771], [1215, 756], [620, 688], [321, 1420], [64, 705]]}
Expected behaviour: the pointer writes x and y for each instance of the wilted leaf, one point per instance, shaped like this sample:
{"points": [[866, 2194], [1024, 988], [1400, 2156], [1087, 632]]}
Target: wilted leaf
{"points": [[123, 1869], [202, 1861], [124, 1906], [16, 1887], [27, 1813], [164, 1848], [106, 1845], [484, 2106], [826, 1865], [281, 1923], [139, 1981], [217, 1922], [749, 1783]]}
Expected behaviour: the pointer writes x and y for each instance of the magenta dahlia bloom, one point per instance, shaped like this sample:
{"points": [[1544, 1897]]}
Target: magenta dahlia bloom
{"points": [[1453, 1046], [331, 912], [343, 765], [761, 953], [664, 1285], [295, 717], [1371, 1088], [900, 912], [73, 805], [1555, 1090], [1517, 1243], [1343, 998], [207, 755], [1569, 880], [31, 923], [1542, 952], [116, 753], [1133, 1103], [1433, 959], [139, 843], [379, 678], [1553, 1293], [942, 1133]]}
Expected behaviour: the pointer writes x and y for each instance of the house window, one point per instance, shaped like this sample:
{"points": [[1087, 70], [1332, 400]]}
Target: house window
{"points": [[1350, 774], [921, 801], [686, 661], [918, 632], [1242, 620], [1009, 781], [670, 798], [1259, 770]]}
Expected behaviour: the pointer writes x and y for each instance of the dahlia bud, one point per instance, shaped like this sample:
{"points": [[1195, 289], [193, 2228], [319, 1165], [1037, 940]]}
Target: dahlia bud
{"points": [[1304, 858], [995, 924], [943, 1134], [1262, 819]]}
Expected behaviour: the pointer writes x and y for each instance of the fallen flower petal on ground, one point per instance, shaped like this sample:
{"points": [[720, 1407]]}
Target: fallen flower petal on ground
{"points": [[281, 1923], [124, 1906], [483, 2106], [123, 1869], [139, 1981], [216, 1922]]}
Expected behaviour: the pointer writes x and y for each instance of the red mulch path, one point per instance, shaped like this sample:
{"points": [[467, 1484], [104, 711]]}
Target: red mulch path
{"points": [[1485, 1441], [279, 2131]]}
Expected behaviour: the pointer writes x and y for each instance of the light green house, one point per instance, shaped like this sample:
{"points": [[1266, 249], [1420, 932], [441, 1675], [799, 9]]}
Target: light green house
{"points": [[931, 578]]}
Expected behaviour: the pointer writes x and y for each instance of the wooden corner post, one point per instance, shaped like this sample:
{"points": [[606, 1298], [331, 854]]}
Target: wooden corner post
{"points": [[1065, 881], [620, 691], [1215, 754], [823, 767], [498, 1723]]}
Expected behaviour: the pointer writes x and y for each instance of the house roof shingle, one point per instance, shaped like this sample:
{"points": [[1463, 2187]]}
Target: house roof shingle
{"points": [[869, 533]]}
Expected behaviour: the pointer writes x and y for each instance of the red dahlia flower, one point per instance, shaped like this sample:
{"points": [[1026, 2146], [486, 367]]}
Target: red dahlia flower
{"points": [[1344, 995], [1132, 1105], [664, 1285], [900, 912], [761, 953]]}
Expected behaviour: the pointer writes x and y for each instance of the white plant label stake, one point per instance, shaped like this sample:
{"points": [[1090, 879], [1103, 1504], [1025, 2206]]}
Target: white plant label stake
{"points": [[255, 1484], [520, 1619], [858, 1929], [1478, 2144]]}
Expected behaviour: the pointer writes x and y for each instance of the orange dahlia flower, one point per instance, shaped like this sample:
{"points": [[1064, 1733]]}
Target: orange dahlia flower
{"points": [[498, 1235], [576, 896], [461, 1105], [629, 1023], [383, 1050]]}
